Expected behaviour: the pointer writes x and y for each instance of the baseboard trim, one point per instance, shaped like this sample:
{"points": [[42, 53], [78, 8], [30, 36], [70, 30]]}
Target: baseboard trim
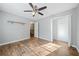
{"points": [[13, 41], [44, 39], [75, 47]]}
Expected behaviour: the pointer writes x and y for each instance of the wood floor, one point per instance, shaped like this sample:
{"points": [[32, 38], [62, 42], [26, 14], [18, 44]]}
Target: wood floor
{"points": [[24, 48]]}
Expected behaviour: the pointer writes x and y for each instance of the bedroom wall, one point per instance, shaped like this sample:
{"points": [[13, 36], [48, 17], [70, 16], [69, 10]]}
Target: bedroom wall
{"points": [[10, 32], [45, 28], [46, 25], [54, 26], [75, 28], [78, 28]]}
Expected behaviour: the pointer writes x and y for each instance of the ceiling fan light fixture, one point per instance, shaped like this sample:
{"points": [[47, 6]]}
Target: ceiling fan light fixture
{"points": [[33, 13], [35, 10]]}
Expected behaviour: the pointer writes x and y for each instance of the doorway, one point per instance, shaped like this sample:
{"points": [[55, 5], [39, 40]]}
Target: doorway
{"points": [[34, 29]]}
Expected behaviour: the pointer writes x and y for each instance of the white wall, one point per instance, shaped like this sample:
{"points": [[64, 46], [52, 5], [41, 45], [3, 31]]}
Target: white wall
{"points": [[0, 27], [54, 26], [13, 32], [45, 28], [75, 28], [78, 28]]}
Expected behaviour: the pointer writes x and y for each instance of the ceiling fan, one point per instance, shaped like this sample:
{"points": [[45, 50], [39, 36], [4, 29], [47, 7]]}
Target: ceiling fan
{"points": [[35, 9]]}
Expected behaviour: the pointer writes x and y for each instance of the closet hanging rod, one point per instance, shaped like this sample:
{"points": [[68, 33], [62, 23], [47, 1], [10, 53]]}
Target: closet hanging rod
{"points": [[16, 22]]}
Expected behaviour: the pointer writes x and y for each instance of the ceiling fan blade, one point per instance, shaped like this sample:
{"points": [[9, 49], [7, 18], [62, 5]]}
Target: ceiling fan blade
{"points": [[31, 5], [40, 13], [42, 8], [27, 10]]}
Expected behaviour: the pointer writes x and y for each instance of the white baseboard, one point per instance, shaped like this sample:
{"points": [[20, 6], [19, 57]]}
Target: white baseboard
{"points": [[75, 47], [13, 41], [44, 39]]}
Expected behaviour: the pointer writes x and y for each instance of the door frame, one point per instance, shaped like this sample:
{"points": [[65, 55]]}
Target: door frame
{"points": [[36, 29]]}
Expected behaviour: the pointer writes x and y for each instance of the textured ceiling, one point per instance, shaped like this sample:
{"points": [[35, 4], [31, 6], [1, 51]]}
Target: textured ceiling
{"points": [[52, 8]]}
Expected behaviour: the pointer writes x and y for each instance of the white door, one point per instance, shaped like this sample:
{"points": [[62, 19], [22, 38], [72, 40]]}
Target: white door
{"points": [[36, 29]]}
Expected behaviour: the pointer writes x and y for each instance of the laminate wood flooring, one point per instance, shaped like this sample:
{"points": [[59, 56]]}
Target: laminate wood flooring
{"points": [[37, 47]]}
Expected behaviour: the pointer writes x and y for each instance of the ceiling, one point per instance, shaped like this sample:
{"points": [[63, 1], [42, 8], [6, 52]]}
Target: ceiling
{"points": [[52, 8]]}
